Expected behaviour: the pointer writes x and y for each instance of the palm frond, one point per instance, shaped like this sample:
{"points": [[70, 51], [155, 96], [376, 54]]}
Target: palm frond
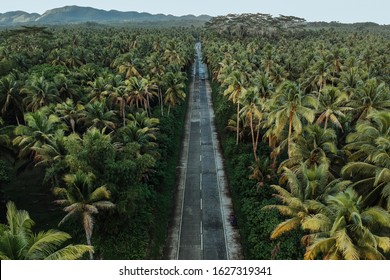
{"points": [[383, 243], [44, 244], [319, 246], [285, 226], [70, 252], [345, 245], [315, 223]]}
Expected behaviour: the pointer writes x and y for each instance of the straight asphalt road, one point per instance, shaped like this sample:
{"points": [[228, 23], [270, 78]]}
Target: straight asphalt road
{"points": [[200, 227], [202, 233]]}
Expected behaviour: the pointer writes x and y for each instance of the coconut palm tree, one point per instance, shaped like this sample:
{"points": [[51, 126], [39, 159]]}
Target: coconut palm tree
{"points": [[253, 112], [38, 129], [303, 196], [313, 147], [69, 112], [127, 64], [10, 97], [332, 104], [289, 106], [370, 96], [66, 87], [347, 230], [81, 198], [19, 242], [174, 88], [97, 115], [40, 92], [236, 87], [369, 165]]}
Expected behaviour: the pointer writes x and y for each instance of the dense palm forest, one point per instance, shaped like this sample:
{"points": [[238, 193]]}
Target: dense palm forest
{"points": [[304, 117], [91, 122], [92, 118]]}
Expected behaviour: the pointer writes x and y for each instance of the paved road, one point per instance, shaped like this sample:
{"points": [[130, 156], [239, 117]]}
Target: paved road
{"points": [[200, 227], [202, 233]]}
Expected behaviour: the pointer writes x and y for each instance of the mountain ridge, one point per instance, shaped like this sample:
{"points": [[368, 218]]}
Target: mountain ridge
{"points": [[78, 14]]}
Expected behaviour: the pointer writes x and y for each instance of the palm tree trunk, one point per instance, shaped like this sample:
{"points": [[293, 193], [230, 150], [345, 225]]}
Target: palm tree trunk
{"points": [[257, 136], [161, 102], [72, 124], [148, 112], [238, 121], [326, 122], [289, 132], [253, 137], [124, 115], [88, 231]]}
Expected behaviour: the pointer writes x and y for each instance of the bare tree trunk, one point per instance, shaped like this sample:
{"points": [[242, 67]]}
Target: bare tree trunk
{"points": [[289, 132], [88, 227], [238, 121], [161, 101], [253, 138], [326, 122]]}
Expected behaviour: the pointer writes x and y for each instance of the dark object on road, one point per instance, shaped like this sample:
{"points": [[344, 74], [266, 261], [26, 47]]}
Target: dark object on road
{"points": [[233, 220]]}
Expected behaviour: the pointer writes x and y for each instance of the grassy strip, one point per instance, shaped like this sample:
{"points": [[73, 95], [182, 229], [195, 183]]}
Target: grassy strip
{"points": [[170, 147]]}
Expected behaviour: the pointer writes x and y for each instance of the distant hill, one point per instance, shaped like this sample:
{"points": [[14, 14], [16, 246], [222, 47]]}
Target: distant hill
{"points": [[76, 14]]}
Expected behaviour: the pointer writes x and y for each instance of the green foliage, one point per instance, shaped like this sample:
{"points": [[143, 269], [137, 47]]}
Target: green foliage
{"points": [[18, 242]]}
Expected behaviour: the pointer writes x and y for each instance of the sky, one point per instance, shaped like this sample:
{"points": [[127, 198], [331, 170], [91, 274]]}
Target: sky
{"points": [[347, 11]]}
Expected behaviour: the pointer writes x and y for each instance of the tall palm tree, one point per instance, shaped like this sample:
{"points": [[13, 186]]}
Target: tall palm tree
{"points": [[313, 147], [174, 87], [98, 89], [10, 97], [97, 115], [303, 196], [320, 74], [69, 112], [347, 230], [127, 64], [253, 112], [236, 87], [121, 97], [81, 198], [290, 105], [66, 87], [332, 104], [37, 131], [40, 92], [18, 242], [52, 156], [369, 165], [370, 96]]}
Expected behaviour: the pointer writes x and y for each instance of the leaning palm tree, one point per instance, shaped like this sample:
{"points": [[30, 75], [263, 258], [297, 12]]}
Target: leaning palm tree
{"points": [[18, 242], [81, 198]]}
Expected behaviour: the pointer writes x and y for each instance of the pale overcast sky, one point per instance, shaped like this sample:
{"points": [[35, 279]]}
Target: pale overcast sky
{"points": [[312, 10]]}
